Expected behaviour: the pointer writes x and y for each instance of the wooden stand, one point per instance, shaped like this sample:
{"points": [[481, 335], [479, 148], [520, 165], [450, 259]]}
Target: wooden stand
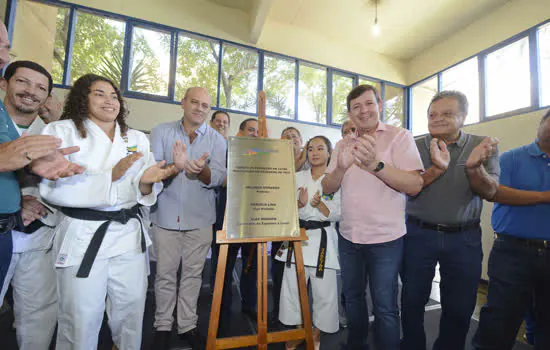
{"points": [[263, 337]]}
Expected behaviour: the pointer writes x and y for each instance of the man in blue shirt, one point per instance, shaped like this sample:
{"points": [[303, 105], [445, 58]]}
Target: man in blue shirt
{"points": [[185, 215], [519, 264]]}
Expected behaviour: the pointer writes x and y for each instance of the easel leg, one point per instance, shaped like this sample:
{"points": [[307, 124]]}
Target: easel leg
{"points": [[217, 299], [302, 288], [262, 296]]}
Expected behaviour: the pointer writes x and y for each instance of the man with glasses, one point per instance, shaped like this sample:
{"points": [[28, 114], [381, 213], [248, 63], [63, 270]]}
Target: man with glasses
{"points": [[443, 224]]}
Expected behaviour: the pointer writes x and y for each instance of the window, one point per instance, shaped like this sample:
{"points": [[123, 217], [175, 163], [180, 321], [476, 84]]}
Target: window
{"points": [[376, 84], [508, 84], [421, 96], [40, 35], [279, 86], [197, 65], [239, 85], [544, 51], [341, 86], [150, 62], [465, 78], [312, 94], [98, 47], [393, 106]]}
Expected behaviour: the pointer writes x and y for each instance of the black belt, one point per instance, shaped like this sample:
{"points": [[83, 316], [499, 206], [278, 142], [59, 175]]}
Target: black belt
{"points": [[10, 221], [120, 216], [322, 256], [531, 243], [444, 228], [34, 226]]}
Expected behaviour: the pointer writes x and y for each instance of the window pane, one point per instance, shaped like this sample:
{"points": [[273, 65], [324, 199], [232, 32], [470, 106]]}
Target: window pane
{"points": [[393, 106], [40, 35], [312, 94], [197, 65], [98, 46], [239, 85], [544, 51], [421, 96], [376, 84], [341, 86], [279, 86], [150, 61], [508, 67], [465, 78]]}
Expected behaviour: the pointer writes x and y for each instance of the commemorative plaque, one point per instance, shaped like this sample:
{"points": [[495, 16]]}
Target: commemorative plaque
{"points": [[261, 189]]}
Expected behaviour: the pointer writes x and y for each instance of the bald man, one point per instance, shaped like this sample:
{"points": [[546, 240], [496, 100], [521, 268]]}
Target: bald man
{"points": [[183, 221]]}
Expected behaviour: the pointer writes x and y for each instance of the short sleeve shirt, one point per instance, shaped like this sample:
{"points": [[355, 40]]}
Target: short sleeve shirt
{"points": [[373, 212]]}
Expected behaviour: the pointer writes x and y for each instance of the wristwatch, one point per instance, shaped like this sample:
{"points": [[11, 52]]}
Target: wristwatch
{"points": [[379, 166]]}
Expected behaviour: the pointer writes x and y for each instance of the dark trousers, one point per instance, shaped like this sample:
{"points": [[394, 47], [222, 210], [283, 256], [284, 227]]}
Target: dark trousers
{"points": [[248, 282], [277, 271], [378, 266], [6, 248], [519, 278], [460, 256]]}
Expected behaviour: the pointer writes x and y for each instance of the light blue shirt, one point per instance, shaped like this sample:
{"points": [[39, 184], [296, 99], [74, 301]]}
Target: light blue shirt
{"points": [[186, 203], [11, 196]]}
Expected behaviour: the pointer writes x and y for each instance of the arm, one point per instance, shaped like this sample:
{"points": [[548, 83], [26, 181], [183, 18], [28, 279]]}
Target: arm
{"points": [[19, 153], [429, 176], [511, 196], [205, 176], [334, 173], [408, 182], [484, 182]]}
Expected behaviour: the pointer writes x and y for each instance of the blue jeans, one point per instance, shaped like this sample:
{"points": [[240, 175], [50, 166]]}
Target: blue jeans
{"points": [[519, 278], [459, 255], [378, 264], [6, 249]]}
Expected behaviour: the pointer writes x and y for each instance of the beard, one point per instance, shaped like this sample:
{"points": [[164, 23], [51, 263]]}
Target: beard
{"points": [[26, 110]]}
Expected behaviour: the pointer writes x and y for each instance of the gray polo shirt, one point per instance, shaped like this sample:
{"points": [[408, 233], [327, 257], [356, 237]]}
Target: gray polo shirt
{"points": [[449, 200]]}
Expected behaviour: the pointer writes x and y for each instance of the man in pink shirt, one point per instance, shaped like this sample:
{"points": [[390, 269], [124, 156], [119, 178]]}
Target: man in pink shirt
{"points": [[377, 169]]}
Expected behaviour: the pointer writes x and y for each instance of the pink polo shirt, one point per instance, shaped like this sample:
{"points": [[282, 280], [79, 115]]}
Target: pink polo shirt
{"points": [[373, 212]]}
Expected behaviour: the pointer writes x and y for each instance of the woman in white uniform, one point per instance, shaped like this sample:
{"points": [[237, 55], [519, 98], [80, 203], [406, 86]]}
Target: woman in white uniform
{"points": [[318, 214], [100, 243]]}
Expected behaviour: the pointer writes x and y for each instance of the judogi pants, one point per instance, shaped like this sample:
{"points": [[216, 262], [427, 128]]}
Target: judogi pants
{"points": [[122, 279], [171, 247], [325, 299], [32, 276]]}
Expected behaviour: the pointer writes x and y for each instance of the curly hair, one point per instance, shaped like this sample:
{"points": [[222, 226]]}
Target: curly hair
{"points": [[76, 103]]}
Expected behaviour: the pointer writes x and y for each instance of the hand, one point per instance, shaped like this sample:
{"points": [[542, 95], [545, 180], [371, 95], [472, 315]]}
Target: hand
{"points": [[482, 152], [364, 152], [345, 156], [26, 148], [56, 166], [302, 197], [194, 167], [157, 173], [316, 200], [439, 154], [124, 164], [179, 154], [31, 210]]}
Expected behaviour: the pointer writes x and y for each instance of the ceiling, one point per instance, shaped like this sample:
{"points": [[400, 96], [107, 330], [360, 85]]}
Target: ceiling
{"points": [[407, 26]]}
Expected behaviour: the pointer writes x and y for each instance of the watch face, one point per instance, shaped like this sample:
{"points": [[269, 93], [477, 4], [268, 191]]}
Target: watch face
{"points": [[379, 167]]}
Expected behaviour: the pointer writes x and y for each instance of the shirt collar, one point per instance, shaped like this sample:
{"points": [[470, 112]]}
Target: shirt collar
{"points": [[460, 142], [201, 130], [534, 150]]}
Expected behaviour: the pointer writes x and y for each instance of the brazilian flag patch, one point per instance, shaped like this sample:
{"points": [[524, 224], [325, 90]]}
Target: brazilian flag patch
{"points": [[131, 149], [328, 196]]}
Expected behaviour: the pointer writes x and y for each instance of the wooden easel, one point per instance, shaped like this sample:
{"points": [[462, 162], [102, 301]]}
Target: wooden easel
{"points": [[263, 337]]}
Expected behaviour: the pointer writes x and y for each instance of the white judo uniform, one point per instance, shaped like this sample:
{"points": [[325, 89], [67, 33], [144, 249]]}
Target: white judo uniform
{"points": [[32, 275], [324, 290], [119, 269]]}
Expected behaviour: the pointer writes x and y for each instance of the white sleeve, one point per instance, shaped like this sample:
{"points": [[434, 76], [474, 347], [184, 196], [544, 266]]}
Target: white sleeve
{"points": [[333, 206], [78, 191]]}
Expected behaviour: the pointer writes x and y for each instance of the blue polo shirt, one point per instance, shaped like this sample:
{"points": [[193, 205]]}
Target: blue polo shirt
{"points": [[9, 188], [524, 168]]}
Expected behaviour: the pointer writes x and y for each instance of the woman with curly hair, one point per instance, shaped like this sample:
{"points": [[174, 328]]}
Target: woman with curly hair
{"points": [[99, 245]]}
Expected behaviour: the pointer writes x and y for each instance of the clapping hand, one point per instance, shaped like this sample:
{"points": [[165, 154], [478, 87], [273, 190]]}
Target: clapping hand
{"points": [[439, 154], [482, 152], [316, 200], [302, 197]]}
